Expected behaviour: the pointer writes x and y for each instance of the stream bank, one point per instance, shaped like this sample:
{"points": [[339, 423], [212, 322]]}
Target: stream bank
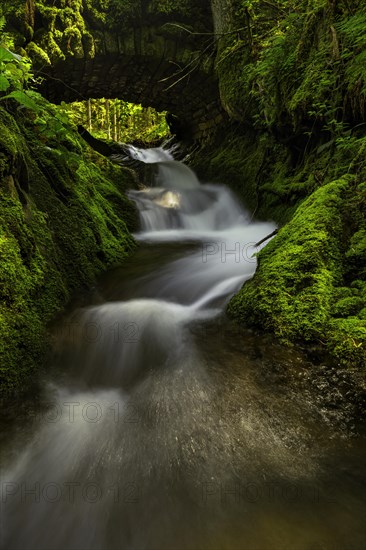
{"points": [[64, 218], [310, 285]]}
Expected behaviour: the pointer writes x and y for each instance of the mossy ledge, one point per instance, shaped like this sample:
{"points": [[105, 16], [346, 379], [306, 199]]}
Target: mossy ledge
{"points": [[63, 220]]}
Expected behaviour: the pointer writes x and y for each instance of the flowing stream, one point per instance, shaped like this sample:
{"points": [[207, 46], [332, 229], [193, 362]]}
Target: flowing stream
{"points": [[164, 426]]}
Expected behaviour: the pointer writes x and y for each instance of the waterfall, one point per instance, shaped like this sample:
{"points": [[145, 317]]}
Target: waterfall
{"points": [[195, 286]]}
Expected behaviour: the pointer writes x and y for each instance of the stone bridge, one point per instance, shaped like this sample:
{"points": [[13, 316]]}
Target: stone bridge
{"points": [[158, 53]]}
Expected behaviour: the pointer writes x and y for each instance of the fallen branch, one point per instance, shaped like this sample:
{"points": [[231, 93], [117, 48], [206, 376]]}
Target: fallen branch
{"points": [[216, 34], [266, 238]]}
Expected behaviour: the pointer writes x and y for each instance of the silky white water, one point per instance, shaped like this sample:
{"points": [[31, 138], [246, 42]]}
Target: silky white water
{"points": [[209, 215], [193, 287]]}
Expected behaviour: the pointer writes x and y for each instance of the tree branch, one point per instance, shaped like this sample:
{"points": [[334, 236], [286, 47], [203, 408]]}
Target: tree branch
{"points": [[266, 238]]}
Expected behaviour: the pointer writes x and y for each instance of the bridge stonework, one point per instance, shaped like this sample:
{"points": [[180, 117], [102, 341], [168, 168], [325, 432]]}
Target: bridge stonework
{"points": [[153, 56]]}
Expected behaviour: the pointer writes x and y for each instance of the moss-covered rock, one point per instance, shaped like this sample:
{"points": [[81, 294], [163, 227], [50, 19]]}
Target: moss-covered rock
{"points": [[310, 282], [62, 221], [297, 291], [39, 55]]}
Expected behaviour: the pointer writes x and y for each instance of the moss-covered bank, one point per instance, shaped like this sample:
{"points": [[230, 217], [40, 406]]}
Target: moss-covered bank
{"points": [[310, 285], [62, 221], [293, 80]]}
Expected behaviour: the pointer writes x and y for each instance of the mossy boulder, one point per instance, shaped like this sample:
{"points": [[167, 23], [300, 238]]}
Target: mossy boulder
{"points": [[296, 290]]}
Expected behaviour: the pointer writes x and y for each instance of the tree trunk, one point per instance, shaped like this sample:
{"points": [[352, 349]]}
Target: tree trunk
{"points": [[114, 127], [118, 121], [90, 127], [108, 120]]}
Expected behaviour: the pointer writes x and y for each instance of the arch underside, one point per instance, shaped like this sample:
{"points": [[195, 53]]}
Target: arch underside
{"points": [[192, 96]]}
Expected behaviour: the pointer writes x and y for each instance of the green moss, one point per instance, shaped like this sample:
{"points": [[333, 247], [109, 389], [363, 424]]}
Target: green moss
{"points": [[233, 69], [88, 45], [356, 253], [63, 32], [348, 306], [48, 43], [37, 54], [294, 291], [346, 339], [72, 41], [61, 223]]}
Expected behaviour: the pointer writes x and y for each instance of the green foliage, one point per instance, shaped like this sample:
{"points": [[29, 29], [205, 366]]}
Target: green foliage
{"points": [[118, 120], [303, 57], [16, 75], [15, 71], [352, 30], [24, 99]]}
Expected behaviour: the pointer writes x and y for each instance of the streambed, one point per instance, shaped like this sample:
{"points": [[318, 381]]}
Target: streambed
{"points": [[164, 426]]}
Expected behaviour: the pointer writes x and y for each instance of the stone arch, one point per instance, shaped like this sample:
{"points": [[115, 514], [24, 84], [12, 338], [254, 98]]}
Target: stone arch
{"points": [[158, 62]]}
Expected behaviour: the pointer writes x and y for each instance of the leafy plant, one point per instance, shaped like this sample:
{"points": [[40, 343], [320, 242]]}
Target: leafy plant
{"points": [[15, 73]]}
